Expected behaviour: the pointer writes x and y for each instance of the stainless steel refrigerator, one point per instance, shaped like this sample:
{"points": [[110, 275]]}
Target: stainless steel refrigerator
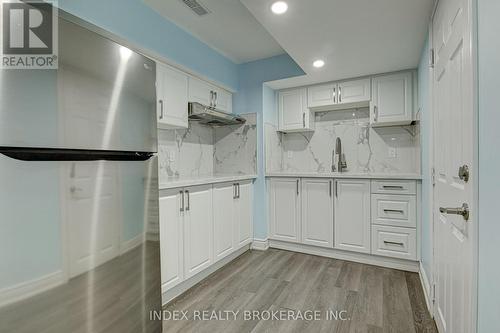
{"points": [[79, 242]]}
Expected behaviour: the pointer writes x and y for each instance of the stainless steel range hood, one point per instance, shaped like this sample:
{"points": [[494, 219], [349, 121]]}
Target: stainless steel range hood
{"points": [[210, 116]]}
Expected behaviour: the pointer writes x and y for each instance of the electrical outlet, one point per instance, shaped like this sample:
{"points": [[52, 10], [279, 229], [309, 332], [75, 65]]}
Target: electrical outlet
{"points": [[392, 152], [290, 154]]}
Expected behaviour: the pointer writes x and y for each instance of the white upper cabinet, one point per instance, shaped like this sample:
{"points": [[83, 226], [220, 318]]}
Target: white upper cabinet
{"points": [[285, 209], [317, 212], [293, 114], [209, 95], [338, 95], [172, 97], [392, 99], [322, 95], [354, 91], [352, 215]]}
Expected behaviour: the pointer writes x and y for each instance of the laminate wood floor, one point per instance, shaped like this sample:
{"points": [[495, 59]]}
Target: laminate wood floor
{"points": [[374, 299]]}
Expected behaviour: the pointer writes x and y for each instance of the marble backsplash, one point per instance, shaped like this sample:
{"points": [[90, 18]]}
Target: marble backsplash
{"points": [[201, 150], [376, 150]]}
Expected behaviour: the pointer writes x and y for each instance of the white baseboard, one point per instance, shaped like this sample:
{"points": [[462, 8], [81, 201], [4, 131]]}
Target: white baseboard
{"points": [[174, 292], [131, 243], [405, 265], [30, 288], [426, 286], [260, 244]]}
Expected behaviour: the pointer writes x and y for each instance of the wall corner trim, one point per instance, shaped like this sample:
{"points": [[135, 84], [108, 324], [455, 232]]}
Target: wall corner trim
{"points": [[260, 244]]}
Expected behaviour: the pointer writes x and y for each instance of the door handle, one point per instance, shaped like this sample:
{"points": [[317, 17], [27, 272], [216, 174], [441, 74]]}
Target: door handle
{"points": [[188, 199], [182, 200], [464, 211], [161, 109]]}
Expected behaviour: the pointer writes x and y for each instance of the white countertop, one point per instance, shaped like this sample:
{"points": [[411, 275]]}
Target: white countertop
{"points": [[176, 182], [347, 174]]}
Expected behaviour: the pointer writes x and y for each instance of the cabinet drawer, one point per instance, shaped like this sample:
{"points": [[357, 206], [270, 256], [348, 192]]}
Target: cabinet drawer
{"points": [[394, 186], [394, 242], [394, 210]]}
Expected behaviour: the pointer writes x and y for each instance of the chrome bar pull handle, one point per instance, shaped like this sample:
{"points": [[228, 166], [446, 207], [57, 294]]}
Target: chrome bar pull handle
{"points": [[161, 109], [182, 200], [375, 113], [188, 199], [393, 243], [334, 96], [215, 99], [340, 94], [330, 188], [464, 211], [297, 186], [304, 120], [393, 211]]}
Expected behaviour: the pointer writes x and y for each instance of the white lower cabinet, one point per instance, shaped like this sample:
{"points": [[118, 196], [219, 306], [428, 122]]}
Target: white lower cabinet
{"points": [[243, 214], [224, 195], [317, 212], [352, 215], [200, 225], [394, 242], [171, 239], [233, 217], [285, 209], [198, 228]]}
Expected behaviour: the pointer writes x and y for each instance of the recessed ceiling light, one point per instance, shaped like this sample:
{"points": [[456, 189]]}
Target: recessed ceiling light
{"points": [[318, 63], [279, 7]]}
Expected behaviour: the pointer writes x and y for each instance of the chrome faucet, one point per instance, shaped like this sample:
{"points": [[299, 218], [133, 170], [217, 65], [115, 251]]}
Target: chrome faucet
{"points": [[342, 163]]}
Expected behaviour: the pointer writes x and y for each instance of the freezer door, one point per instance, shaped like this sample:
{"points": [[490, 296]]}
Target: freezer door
{"points": [[103, 96], [79, 246]]}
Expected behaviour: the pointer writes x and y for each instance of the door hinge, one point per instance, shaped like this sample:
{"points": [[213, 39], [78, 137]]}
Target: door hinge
{"points": [[431, 58]]}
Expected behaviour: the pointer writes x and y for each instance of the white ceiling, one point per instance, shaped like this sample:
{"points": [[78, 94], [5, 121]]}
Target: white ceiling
{"points": [[229, 28], [353, 37]]}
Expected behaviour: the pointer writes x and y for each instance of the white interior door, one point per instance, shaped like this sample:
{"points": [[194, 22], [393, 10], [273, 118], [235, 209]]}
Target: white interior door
{"points": [[92, 216], [454, 139]]}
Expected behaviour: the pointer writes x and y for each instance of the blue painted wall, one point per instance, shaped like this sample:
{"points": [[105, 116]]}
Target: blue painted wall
{"points": [[424, 105], [489, 165], [138, 23], [250, 98]]}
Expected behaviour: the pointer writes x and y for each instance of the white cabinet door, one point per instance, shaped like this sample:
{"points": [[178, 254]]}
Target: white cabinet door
{"points": [[171, 239], [201, 92], [198, 229], [392, 99], [323, 95], [223, 100], [285, 209], [352, 215], [317, 212], [172, 95], [224, 196], [243, 214], [293, 114], [354, 91]]}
